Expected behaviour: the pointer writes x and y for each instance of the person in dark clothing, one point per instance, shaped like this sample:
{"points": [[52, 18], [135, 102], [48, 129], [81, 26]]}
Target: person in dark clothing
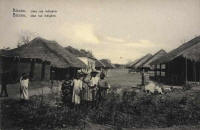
{"points": [[103, 86], [67, 90], [4, 85]]}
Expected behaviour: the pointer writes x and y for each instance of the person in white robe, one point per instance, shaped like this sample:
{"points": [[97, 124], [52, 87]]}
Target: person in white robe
{"points": [[77, 87], [24, 84]]}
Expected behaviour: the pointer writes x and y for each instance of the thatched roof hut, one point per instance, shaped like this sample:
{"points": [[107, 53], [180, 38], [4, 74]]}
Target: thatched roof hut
{"points": [[142, 61], [46, 50], [107, 63], [180, 51], [99, 64], [78, 53], [156, 56], [130, 64]]}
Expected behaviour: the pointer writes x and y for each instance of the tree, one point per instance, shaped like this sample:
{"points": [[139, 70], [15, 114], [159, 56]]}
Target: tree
{"points": [[88, 53], [25, 37]]}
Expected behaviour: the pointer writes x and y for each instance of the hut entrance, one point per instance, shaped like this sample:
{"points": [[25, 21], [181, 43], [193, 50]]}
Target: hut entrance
{"points": [[32, 69], [60, 73], [43, 71]]}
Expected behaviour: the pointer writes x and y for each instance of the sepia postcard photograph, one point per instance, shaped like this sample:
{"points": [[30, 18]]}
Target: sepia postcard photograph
{"points": [[99, 64]]}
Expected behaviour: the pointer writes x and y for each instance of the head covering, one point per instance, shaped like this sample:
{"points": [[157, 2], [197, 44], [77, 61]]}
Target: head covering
{"points": [[94, 72]]}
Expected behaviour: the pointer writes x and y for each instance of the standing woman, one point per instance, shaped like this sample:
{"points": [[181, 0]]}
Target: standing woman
{"points": [[77, 87], [87, 91], [24, 83]]}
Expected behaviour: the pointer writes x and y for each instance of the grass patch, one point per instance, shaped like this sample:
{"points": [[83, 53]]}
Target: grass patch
{"points": [[128, 110]]}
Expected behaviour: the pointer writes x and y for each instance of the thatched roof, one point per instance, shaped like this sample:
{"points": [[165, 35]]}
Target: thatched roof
{"points": [[192, 53], [107, 63], [79, 53], [99, 64], [46, 50], [142, 61], [74, 51], [179, 51], [130, 64], [156, 56]]}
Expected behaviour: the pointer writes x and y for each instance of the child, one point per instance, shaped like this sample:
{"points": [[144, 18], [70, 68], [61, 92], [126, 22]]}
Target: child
{"points": [[103, 86]]}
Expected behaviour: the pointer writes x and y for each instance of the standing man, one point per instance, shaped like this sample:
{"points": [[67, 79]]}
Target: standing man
{"points": [[4, 79]]}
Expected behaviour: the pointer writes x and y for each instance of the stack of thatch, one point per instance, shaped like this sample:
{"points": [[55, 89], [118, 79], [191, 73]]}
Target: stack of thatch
{"points": [[46, 50]]}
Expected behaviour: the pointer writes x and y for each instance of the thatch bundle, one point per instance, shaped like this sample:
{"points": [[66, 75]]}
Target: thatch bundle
{"points": [[46, 50], [179, 51]]}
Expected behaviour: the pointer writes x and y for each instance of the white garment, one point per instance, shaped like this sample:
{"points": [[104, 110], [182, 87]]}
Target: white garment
{"points": [[152, 87], [77, 87], [94, 81], [24, 88]]}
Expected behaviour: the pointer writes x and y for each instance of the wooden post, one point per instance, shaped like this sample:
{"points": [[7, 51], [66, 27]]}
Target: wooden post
{"points": [[160, 70], [155, 71], [195, 71], [43, 71], [32, 69]]}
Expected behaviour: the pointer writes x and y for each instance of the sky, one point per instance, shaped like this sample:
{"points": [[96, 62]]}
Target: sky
{"points": [[120, 30]]}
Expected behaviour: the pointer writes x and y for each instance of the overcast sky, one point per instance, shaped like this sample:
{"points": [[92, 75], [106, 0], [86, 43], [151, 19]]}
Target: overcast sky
{"points": [[120, 30]]}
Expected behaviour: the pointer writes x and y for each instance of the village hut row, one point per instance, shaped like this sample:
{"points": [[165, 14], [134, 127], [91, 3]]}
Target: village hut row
{"points": [[91, 62], [144, 63], [182, 65], [138, 63], [42, 60]]}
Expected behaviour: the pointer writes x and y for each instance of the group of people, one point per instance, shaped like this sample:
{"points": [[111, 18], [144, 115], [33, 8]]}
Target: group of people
{"points": [[84, 88], [87, 89]]}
